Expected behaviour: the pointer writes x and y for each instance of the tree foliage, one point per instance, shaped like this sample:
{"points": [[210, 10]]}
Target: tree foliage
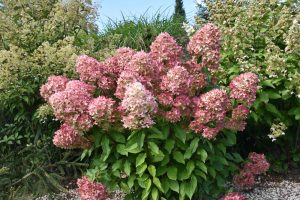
{"points": [[179, 10]]}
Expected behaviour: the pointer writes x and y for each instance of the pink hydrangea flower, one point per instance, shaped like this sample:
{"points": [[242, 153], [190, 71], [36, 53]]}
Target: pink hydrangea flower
{"points": [[176, 81], [125, 78], [106, 83], [76, 85], [115, 65], [205, 43], [257, 164], [199, 81], [143, 64], [211, 133], [238, 125], [233, 196], [182, 102], [165, 99], [101, 109], [69, 138], [244, 87], [197, 126], [88, 68], [237, 120], [84, 122], [212, 106], [165, 50], [89, 190], [244, 180], [139, 106], [54, 84], [71, 105], [173, 115]]}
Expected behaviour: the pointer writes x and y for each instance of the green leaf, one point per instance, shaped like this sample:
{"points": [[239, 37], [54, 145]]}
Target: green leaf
{"points": [[116, 165], [144, 181], [201, 166], [145, 194], [135, 142], [237, 157], [199, 173], [106, 148], [190, 166], [220, 159], [178, 156], [263, 97], [161, 170], [140, 159], [191, 149], [222, 148], [141, 139], [271, 108], [158, 157], [212, 172], [169, 145], [172, 173], [154, 148], [121, 149], [127, 167], [203, 155], [140, 169], [157, 134], [174, 185], [183, 174], [180, 133], [130, 181], [268, 83], [148, 184], [273, 95], [118, 137], [165, 185], [152, 170], [190, 187], [182, 190], [133, 148], [157, 183], [230, 138], [154, 194], [125, 187]]}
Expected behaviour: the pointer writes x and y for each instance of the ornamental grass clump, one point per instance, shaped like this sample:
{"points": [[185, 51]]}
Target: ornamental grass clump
{"points": [[153, 123]]}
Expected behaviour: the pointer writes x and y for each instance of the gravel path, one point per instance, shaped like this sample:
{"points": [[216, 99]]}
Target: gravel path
{"points": [[72, 195], [284, 190]]}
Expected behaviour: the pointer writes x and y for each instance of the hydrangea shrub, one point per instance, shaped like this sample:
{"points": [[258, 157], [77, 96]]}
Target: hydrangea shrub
{"points": [[154, 123]]}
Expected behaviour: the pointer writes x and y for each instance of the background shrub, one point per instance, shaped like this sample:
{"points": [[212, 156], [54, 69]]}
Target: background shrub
{"points": [[260, 36], [38, 38]]}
